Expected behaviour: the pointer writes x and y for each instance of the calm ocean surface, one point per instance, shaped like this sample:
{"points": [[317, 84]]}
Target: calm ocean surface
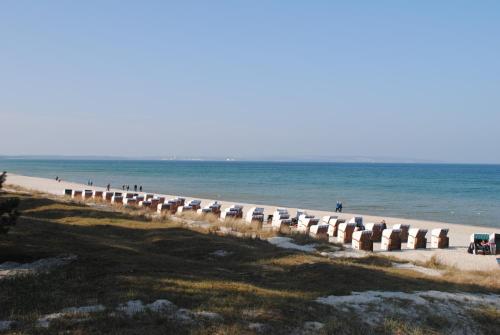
{"points": [[468, 194]]}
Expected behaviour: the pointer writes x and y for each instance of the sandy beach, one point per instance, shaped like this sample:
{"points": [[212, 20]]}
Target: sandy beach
{"points": [[459, 234]]}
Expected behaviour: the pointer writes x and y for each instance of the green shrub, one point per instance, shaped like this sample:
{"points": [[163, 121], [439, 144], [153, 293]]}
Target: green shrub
{"points": [[8, 209]]}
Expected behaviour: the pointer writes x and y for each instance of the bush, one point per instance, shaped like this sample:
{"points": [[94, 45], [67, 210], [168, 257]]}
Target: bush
{"points": [[8, 209]]}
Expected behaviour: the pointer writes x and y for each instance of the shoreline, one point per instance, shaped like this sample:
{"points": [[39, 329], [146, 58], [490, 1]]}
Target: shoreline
{"points": [[459, 234]]}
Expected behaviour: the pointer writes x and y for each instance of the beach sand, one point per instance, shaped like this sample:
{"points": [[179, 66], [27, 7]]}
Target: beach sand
{"points": [[459, 234]]}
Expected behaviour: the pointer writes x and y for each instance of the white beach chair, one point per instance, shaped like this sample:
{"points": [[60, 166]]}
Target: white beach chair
{"points": [[145, 204], [417, 239], [333, 226], [255, 214], [117, 199], [391, 240], [280, 217], [212, 208], [306, 221], [405, 230], [439, 238], [204, 211], [97, 194], [107, 195], [148, 196], [319, 230], [195, 204], [328, 218], [129, 201], [362, 240], [164, 208], [234, 212], [345, 231], [185, 208], [377, 229], [86, 194], [76, 193]]}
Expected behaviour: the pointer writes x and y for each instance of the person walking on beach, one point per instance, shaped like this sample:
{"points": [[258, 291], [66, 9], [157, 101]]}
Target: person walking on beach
{"points": [[108, 187], [140, 188], [135, 188], [128, 187], [123, 187], [337, 207], [57, 178], [340, 207]]}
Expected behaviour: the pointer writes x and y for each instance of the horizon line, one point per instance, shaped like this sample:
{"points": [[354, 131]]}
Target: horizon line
{"points": [[229, 159]]}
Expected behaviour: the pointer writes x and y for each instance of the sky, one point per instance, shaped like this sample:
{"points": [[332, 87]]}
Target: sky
{"points": [[251, 79]]}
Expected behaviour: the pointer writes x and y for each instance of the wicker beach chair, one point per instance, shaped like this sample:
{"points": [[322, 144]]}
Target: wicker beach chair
{"points": [[306, 221], [234, 212], [129, 201], [128, 195], [280, 218], [154, 202], [185, 208], [391, 240], [439, 238], [405, 229], [377, 229], [255, 215], [417, 239], [86, 194], [319, 231], [117, 199], [145, 204], [107, 195], [362, 240], [97, 194], [195, 204], [345, 231], [333, 228]]}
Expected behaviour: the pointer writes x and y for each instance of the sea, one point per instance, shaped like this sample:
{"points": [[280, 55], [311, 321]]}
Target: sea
{"points": [[454, 193]]}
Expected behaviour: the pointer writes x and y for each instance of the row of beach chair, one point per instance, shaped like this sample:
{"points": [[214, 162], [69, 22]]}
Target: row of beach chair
{"points": [[352, 232]]}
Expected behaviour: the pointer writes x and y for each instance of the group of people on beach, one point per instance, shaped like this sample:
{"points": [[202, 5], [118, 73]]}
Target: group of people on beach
{"points": [[127, 187], [90, 182]]}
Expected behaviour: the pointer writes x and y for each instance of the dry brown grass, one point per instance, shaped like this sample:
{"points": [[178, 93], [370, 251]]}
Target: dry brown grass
{"points": [[435, 263]]}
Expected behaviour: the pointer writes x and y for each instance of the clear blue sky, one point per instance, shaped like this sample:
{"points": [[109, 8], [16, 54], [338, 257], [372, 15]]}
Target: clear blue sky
{"points": [[413, 79]]}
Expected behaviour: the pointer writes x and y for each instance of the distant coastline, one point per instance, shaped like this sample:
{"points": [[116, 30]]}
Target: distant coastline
{"points": [[284, 159]]}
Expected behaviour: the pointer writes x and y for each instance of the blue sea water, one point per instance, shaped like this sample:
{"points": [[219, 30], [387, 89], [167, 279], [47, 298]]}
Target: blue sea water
{"points": [[468, 194]]}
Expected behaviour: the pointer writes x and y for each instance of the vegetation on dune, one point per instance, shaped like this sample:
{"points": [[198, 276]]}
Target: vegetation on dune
{"points": [[123, 255], [8, 209]]}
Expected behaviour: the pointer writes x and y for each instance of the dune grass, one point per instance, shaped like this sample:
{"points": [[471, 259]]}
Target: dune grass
{"points": [[125, 255]]}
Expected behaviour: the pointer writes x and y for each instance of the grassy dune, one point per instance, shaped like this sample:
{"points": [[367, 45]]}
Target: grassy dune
{"points": [[125, 255]]}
